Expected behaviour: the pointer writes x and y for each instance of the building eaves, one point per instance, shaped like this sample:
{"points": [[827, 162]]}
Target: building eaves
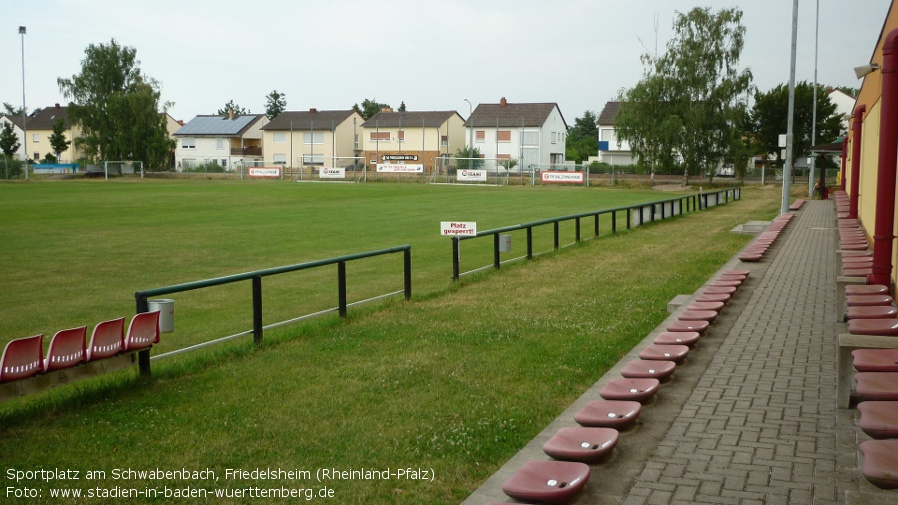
{"points": [[410, 119], [308, 120]]}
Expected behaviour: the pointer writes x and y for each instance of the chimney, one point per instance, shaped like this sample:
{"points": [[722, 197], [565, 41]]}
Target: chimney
{"points": [[387, 109], [57, 106], [502, 102], [313, 110], [230, 113]]}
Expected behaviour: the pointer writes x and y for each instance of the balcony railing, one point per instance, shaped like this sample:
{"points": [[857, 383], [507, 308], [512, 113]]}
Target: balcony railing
{"points": [[246, 151]]}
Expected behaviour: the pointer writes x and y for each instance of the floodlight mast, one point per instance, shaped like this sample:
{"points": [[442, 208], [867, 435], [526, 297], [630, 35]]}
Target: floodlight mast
{"points": [[787, 166], [22, 32]]}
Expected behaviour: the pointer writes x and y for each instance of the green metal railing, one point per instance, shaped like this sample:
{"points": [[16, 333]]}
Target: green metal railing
{"points": [[255, 277], [647, 212]]}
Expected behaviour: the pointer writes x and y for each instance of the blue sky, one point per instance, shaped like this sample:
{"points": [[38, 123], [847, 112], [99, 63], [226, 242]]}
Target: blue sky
{"points": [[430, 54]]}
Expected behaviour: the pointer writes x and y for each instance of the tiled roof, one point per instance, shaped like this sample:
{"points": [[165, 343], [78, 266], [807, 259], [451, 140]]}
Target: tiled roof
{"points": [[608, 113], [427, 119], [16, 120], [510, 114], [46, 118], [219, 125], [303, 120]]}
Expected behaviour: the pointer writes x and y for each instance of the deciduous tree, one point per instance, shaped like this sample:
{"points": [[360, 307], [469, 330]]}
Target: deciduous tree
{"points": [[58, 142], [9, 141], [369, 108], [116, 106], [582, 139], [690, 95]]}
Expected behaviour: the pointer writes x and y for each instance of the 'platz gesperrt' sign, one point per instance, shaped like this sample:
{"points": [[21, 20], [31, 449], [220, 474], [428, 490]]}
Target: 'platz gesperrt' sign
{"points": [[456, 228]]}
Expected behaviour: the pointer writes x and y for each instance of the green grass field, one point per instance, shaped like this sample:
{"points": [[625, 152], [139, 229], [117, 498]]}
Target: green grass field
{"points": [[455, 381]]}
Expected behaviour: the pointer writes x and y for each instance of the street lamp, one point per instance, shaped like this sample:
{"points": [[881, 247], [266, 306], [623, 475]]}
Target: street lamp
{"points": [[471, 128], [22, 32]]}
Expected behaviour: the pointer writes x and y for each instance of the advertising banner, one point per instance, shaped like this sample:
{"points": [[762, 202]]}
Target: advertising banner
{"points": [[561, 177], [400, 169], [265, 171], [472, 175], [332, 173]]}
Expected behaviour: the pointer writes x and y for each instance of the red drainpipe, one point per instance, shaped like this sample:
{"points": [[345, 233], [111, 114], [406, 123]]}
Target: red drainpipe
{"points": [[856, 160], [888, 159], [844, 161]]}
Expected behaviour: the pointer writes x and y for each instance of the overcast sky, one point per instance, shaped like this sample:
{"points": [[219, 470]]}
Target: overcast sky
{"points": [[431, 54]]}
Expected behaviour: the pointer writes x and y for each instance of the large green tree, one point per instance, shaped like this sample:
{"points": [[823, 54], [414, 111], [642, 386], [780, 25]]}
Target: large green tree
{"points": [[58, 142], [369, 108], [769, 119], [275, 104], [117, 107], [583, 138], [9, 141], [690, 97]]}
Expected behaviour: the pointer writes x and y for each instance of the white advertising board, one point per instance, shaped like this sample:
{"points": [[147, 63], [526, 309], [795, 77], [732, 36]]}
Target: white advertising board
{"points": [[332, 173], [454, 228], [553, 177], [400, 169], [472, 175], [264, 171]]}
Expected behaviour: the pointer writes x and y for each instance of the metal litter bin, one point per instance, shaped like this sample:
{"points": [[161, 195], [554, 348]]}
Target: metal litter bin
{"points": [[166, 308]]}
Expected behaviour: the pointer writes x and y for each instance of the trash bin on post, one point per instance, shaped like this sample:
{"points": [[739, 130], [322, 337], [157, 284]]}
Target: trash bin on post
{"points": [[504, 243], [166, 308]]}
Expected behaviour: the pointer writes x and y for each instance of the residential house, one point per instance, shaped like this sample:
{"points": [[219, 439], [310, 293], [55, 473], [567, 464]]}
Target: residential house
{"points": [[532, 133], [610, 151], [844, 106], [225, 140], [326, 138], [16, 122], [413, 138], [40, 127]]}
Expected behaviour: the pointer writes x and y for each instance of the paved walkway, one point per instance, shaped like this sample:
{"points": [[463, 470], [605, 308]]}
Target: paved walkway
{"points": [[750, 417]]}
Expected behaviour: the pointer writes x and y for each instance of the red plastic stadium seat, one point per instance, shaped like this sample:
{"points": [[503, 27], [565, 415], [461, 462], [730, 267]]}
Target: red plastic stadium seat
{"points": [[648, 369], [637, 390], [67, 349], [866, 289], [751, 257], [143, 331], [857, 272], [735, 283], [879, 419], [680, 325], [709, 297], [715, 306], [547, 481], [737, 272], [674, 353], [888, 327], [22, 357], [107, 339], [877, 385], [697, 315], [871, 312], [687, 338], [713, 290], [853, 300], [732, 277], [581, 444], [881, 462], [617, 414], [875, 360]]}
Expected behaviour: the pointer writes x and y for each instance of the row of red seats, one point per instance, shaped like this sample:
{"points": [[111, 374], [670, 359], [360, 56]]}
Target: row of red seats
{"points": [[870, 310], [600, 421], [758, 247], [24, 357]]}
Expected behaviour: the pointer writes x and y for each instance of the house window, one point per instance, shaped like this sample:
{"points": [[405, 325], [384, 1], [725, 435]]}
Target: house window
{"points": [[35, 137], [188, 143], [279, 158], [503, 135], [444, 140], [554, 137], [313, 159], [224, 163], [280, 138], [313, 138], [401, 135], [531, 138], [479, 136], [380, 136], [219, 143], [503, 156]]}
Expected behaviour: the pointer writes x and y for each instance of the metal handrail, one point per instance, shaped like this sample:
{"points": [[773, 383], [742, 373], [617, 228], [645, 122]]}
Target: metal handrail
{"points": [[697, 201]]}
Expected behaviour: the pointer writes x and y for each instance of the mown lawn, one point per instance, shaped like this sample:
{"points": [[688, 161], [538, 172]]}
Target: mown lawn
{"points": [[454, 382]]}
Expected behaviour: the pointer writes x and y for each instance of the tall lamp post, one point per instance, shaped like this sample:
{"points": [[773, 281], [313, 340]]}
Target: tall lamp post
{"points": [[22, 32], [470, 135]]}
